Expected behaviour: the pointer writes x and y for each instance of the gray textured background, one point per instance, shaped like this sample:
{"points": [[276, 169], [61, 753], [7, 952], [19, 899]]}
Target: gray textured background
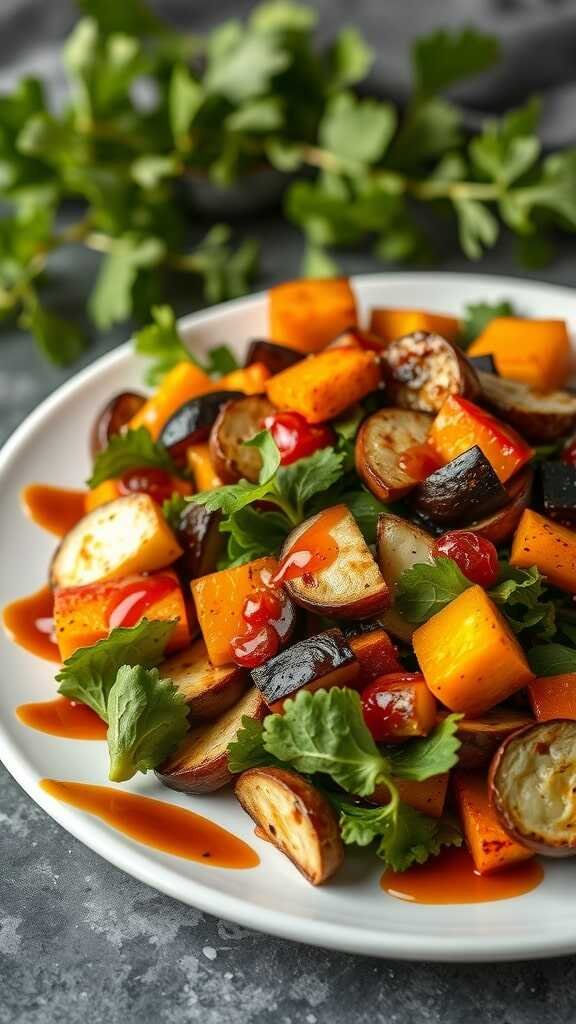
{"points": [[79, 940]]}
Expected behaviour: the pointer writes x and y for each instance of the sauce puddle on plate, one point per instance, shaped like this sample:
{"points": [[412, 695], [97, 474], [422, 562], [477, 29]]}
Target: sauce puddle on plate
{"points": [[451, 878], [56, 509], [157, 824], [62, 717], [29, 623]]}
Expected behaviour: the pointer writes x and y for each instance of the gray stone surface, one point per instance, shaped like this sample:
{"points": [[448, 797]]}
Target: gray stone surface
{"points": [[82, 942]]}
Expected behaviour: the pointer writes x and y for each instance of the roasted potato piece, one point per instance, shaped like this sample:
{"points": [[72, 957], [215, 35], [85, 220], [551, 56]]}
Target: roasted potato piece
{"points": [[200, 765], [351, 586], [481, 737], [320, 661], [193, 421], [112, 419], [382, 441], [208, 691], [538, 417], [295, 817], [501, 524], [464, 489], [129, 535], [273, 356], [400, 545], [237, 422], [532, 787], [198, 533], [422, 369]]}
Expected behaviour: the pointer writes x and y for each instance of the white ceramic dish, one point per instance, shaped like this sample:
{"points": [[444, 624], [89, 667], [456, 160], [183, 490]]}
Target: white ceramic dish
{"points": [[350, 913]]}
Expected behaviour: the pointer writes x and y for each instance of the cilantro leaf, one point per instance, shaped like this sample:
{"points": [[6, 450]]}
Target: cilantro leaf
{"points": [[420, 759], [112, 296], [147, 719], [477, 316], [172, 509], [523, 596], [349, 59], [233, 497], [477, 226], [301, 480], [61, 341], [221, 360], [131, 450], [325, 732], [552, 660], [247, 749], [508, 147], [89, 673], [425, 589], [253, 533], [445, 57], [242, 66], [161, 341]]}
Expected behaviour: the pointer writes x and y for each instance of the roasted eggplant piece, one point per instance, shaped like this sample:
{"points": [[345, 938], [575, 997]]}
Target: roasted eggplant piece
{"points": [[465, 489], [295, 817], [559, 491], [538, 417], [208, 691], [400, 545], [200, 765], [198, 534], [483, 364], [481, 737], [423, 369], [237, 422], [193, 421], [532, 786], [274, 357], [501, 525], [382, 442], [351, 586], [113, 418], [320, 661], [125, 536]]}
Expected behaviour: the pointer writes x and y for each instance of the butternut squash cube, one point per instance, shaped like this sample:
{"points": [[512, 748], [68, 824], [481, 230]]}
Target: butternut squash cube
{"points": [[553, 697], [535, 351], [307, 314], [184, 382], [547, 545], [322, 386], [201, 467], [491, 848], [469, 656], [390, 324]]}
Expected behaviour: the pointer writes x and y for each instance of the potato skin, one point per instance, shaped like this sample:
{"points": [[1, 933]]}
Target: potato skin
{"points": [[482, 736], [538, 736], [382, 439], [423, 368], [539, 418], [310, 810], [237, 422]]}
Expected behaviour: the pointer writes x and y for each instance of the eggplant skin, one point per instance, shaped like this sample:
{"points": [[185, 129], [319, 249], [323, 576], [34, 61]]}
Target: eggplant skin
{"points": [[423, 369], [532, 787], [463, 490], [322, 660], [193, 421], [275, 357], [501, 524], [538, 417], [295, 818], [559, 491], [113, 418]]}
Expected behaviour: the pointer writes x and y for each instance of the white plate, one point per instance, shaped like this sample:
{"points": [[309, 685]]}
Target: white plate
{"points": [[350, 913]]}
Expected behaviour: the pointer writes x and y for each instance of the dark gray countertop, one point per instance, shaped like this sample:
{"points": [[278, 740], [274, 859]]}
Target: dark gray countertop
{"points": [[80, 941]]}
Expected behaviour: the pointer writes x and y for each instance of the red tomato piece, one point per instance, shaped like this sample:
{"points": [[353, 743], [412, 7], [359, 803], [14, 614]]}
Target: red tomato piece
{"points": [[397, 706], [148, 480], [295, 437], [475, 556]]}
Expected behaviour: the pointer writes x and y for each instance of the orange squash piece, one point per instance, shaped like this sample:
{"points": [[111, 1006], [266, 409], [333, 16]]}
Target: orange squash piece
{"points": [[251, 380], [469, 656], [491, 848], [82, 614], [395, 323], [184, 382], [547, 545], [200, 465], [109, 491], [553, 697], [461, 424], [428, 796], [219, 599], [307, 314], [534, 351], [322, 386], [376, 653]]}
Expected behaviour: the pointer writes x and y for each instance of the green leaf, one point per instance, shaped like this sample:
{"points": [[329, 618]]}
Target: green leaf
{"points": [[185, 99], [283, 16], [153, 168], [221, 360], [111, 298], [508, 147], [89, 673], [357, 130], [247, 748], [233, 497], [429, 129], [434, 754], [349, 59], [552, 660], [445, 57], [553, 191], [172, 509], [523, 597], [147, 719], [253, 534], [261, 115], [317, 262], [134, 17], [302, 480], [61, 341], [226, 273], [477, 316], [132, 450], [477, 226], [161, 342], [244, 67], [423, 590], [325, 732]]}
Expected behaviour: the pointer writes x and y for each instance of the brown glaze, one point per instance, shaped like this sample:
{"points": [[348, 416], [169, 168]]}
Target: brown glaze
{"points": [[452, 878], [55, 509], [29, 623], [157, 824], [63, 717]]}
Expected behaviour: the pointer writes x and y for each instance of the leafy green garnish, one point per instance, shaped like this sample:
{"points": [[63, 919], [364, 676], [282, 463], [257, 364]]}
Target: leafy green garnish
{"points": [[172, 509], [478, 315], [252, 534], [131, 450], [444, 57], [147, 719], [423, 590], [160, 341], [89, 674], [420, 759], [552, 659], [247, 750]]}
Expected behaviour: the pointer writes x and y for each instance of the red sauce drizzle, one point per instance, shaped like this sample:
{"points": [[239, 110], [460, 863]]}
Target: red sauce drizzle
{"points": [[63, 717], [129, 603], [419, 461], [56, 509], [157, 824], [314, 550], [29, 623], [452, 878]]}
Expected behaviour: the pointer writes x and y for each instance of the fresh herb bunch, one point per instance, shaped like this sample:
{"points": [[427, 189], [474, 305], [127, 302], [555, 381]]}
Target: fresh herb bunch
{"points": [[154, 112]]}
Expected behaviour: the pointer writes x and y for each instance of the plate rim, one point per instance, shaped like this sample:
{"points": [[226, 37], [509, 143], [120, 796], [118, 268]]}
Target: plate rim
{"points": [[135, 861]]}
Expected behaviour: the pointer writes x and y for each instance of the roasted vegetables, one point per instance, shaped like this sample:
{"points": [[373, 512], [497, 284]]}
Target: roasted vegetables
{"points": [[398, 706], [534, 351], [208, 691], [547, 545], [559, 491], [428, 796], [323, 660], [376, 654], [460, 425], [201, 467], [463, 490], [127, 536], [306, 315], [184, 382], [499, 526], [539, 417], [295, 817], [390, 324], [192, 422], [400, 545], [469, 656], [198, 534], [115, 415], [423, 369], [533, 787], [381, 446], [322, 386], [481, 737], [274, 357], [492, 848], [237, 422], [553, 697]]}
